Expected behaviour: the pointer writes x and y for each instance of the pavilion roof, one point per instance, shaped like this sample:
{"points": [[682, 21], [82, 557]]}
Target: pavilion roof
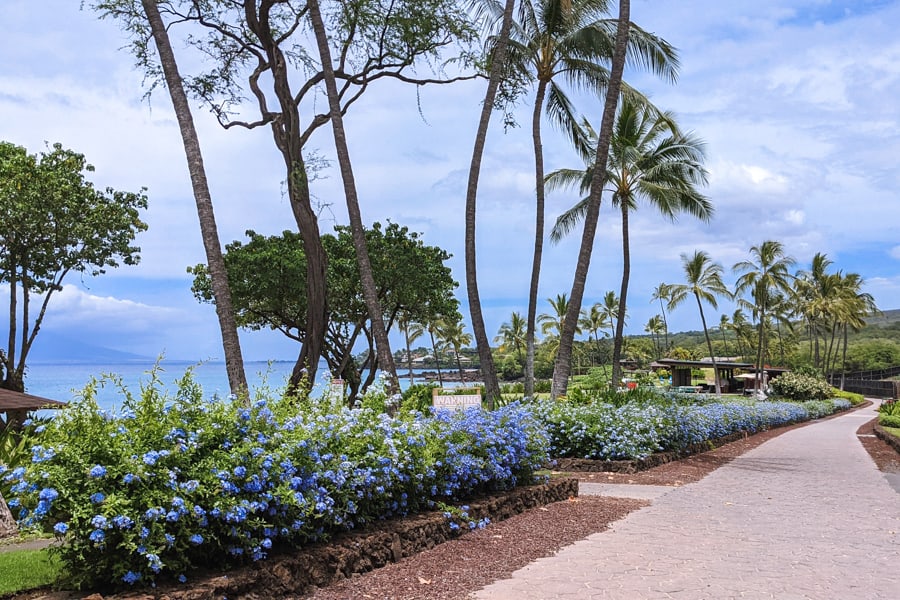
{"points": [[10, 400]]}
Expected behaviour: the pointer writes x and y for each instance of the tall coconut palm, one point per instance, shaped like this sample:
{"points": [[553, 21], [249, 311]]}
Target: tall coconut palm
{"points": [[649, 160], [453, 334], [433, 327], [661, 294], [593, 320], [569, 40], [655, 327], [610, 308], [765, 274], [234, 362], [741, 329], [723, 328], [857, 306], [812, 293], [512, 335], [498, 60], [411, 332], [367, 279], [703, 280]]}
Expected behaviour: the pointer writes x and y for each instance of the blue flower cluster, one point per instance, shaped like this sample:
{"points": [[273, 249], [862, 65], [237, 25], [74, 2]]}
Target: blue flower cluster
{"points": [[167, 485], [606, 432]]}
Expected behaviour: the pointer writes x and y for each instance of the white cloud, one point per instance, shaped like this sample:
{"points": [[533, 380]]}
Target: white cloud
{"points": [[895, 252]]}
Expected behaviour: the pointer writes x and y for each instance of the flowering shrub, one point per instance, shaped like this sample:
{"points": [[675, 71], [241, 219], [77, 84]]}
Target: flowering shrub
{"points": [[602, 431], [800, 386], [168, 484]]}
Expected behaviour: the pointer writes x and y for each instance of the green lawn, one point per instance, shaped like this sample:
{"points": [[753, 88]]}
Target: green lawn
{"points": [[894, 431], [26, 569]]}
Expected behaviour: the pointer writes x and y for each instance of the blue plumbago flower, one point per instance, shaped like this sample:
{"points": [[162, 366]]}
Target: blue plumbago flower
{"points": [[170, 540], [97, 536], [154, 562], [97, 497], [182, 578], [60, 528], [48, 494], [131, 577], [240, 471], [98, 471], [196, 539], [130, 478], [99, 522], [123, 522]]}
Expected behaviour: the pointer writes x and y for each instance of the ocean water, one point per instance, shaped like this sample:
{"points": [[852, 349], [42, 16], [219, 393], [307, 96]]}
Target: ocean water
{"points": [[64, 382]]}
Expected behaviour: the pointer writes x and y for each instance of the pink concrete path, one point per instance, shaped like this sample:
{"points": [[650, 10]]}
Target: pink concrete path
{"points": [[805, 515]]}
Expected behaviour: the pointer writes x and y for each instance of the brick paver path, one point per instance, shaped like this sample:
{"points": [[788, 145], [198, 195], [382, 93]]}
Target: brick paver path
{"points": [[805, 515]]}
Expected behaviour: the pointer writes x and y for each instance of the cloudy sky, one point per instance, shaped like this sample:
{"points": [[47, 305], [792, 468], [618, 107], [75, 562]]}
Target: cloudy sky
{"points": [[796, 100]]}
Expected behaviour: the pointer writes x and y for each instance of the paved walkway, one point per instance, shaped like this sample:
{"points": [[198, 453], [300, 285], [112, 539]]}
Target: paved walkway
{"points": [[805, 515]]}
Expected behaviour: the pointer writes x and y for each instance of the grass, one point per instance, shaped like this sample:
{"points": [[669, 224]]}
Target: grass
{"points": [[894, 431], [22, 570]]}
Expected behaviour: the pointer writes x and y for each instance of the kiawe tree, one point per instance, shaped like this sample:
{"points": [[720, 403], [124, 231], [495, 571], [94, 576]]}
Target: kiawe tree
{"points": [[53, 222], [255, 54]]}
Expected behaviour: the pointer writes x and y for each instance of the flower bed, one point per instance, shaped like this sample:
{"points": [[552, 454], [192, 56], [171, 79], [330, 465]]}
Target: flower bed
{"points": [[634, 433], [172, 484]]}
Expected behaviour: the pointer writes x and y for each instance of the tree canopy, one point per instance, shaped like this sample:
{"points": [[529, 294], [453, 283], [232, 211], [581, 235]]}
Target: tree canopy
{"points": [[52, 222], [268, 281]]}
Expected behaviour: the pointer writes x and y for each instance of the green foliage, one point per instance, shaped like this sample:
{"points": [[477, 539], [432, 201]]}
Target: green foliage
{"points": [[267, 276], [889, 407], [15, 448], [53, 222], [873, 355], [418, 397], [173, 483], [854, 398], [795, 386], [889, 420], [22, 570]]}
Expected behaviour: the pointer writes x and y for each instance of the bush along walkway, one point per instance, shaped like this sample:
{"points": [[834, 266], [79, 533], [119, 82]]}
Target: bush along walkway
{"points": [[805, 515]]}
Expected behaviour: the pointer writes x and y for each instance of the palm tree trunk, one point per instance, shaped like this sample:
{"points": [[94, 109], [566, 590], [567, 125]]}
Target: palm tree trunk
{"points": [[562, 366], [437, 359], [760, 367], [712, 355], [234, 363], [7, 522], [538, 235], [844, 359], [623, 293], [498, 63], [370, 292], [408, 356], [665, 325]]}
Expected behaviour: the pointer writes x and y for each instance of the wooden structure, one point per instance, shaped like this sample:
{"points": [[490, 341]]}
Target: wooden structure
{"points": [[15, 406], [725, 372]]}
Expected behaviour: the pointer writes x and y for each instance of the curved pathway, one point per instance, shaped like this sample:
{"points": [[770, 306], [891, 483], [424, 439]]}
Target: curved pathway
{"points": [[805, 515]]}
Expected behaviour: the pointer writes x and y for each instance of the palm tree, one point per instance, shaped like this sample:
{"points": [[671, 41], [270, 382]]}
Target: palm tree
{"points": [[704, 280], [813, 291], [512, 334], [655, 327], [234, 362], [593, 320], [562, 365], [857, 306], [662, 294], [411, 332], [498, 63], [723, 327], [454, 335], [367, 279], [434, 327], [569, 39], [650, 160], [610, 309], [741, 329], [765, 274]]}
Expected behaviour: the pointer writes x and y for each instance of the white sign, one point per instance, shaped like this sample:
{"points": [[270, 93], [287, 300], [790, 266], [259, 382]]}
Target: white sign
{"points": [[337, 387], [455, 401]]}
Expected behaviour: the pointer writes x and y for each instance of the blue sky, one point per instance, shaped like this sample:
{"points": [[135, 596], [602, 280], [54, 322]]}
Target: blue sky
{"points": [[796, 100]]}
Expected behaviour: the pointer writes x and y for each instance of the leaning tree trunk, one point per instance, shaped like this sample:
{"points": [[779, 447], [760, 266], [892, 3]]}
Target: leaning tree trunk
{"points": [[498, 63], [538, 236], [234, 362], [562, 367], [623, 293], [7, 522], [370, 292], [437, 359]]}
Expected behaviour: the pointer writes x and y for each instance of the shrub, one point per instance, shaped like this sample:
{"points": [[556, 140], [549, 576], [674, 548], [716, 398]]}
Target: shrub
{"points": [[889, 420], [798, 386], [889, 407], [854, 398], [168, 484]]}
